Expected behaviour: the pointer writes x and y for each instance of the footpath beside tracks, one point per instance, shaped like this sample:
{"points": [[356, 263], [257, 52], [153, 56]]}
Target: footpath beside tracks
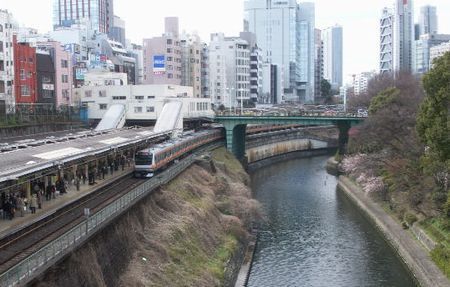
{"points": [[28, 256]]}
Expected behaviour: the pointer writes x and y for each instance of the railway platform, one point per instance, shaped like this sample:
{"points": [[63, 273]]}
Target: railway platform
{"points": [[49, 207]]}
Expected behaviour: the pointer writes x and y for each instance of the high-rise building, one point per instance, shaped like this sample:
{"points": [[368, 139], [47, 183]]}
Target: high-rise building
{"points": [[229, 71], [285, 33], [428, 23], [421, 63], [318, 65], [256, 62], [403, 35], [332, 39], [361, 82], [191, 66], [162, 56], [387, 41], [99, 12], [205, 71], [7, 28], [438, 51], [305, 52]]}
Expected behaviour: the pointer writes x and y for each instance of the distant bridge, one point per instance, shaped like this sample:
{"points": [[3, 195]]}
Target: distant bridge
{"points": [[235, 127]]}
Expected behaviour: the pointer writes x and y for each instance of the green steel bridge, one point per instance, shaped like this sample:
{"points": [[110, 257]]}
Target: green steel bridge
{"points": [[235, 127]]}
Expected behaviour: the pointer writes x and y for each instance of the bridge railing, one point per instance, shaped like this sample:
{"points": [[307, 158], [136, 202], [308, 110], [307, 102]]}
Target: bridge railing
{"points": [[54, 251], [289, 114]]}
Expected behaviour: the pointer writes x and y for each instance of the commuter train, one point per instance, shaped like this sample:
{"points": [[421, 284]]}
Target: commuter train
{"points": [[150, 160]]}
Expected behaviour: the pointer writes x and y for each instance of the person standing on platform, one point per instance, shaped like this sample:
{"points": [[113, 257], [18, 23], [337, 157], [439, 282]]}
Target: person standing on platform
{"points": [[33, 204], [20, 205]]}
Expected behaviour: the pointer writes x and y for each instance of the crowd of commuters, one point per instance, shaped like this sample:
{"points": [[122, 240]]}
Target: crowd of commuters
{"points": [[17, 204]]}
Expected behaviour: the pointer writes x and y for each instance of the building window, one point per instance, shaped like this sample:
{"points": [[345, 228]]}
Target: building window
{"points": [[47, 94], [139, 98], [169, 42], [138, 110], [103, 106], [1, 46], [30, 60], [64, 64], [150, 109], [170, 76], [25, 90], [23, 76], [65, 94], [30, 74], [150, 97], [2, 87], [65, 78], [1, 28], [119, 98], [102, 94], [46, 79], [88, 94]]}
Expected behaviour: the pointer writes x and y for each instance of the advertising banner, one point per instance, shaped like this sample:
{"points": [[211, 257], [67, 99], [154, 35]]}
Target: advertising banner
{"points": [[159, 64]]}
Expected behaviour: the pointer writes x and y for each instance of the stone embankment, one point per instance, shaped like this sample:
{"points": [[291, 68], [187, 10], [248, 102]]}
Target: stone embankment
{"points": [[192, 232], [413, 254]]}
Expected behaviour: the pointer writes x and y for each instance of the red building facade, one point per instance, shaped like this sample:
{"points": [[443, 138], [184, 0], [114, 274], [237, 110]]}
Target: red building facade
{"points": [[25, 80]]}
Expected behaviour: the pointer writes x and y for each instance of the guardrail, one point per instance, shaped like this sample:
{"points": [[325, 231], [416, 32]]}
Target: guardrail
{"points": [[44, 258]]}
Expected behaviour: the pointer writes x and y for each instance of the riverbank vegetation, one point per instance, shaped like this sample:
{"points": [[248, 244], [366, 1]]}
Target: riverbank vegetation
{"points": [[191, 232], [400, 155]]}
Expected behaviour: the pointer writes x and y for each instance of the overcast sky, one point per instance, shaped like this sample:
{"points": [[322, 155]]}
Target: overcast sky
{"points": [[145, 18]]}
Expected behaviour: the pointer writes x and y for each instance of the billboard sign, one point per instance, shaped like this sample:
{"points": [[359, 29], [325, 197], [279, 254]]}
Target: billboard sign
{"points": [[79, 73], [159, 64]]}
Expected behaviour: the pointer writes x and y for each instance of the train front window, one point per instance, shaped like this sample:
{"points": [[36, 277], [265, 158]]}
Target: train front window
{"points": [[143, 159]]}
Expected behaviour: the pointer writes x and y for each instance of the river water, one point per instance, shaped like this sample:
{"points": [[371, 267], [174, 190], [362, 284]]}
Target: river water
{"points": [[314, 235]]}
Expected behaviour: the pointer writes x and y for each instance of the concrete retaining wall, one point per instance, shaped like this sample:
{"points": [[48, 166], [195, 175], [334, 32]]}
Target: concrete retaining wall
{"points": [[411, 252], [28, 130], [285, 147]]}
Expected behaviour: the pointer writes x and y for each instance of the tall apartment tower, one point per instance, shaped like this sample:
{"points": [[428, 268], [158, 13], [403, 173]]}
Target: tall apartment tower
{"points": [[7, 28], [99, 12], [428, 22], [229, 70], [191, 63], [318, 58], [162, 56], [387, 41], [285, 33], [403, 35], [332, 39]]}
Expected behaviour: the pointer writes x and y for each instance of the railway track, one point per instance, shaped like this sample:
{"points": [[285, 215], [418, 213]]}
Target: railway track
{"points": [[17, 246]]}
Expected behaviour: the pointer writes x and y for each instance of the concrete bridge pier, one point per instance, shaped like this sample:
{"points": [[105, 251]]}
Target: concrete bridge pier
{"points": [[235, 136], [344, 128]]}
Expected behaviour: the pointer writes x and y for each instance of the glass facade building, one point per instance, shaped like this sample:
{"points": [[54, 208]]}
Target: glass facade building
{"points": [[285, 33], [99, 12]]}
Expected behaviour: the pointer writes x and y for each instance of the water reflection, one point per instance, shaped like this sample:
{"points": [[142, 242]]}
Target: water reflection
{"points": [[314, 235]]}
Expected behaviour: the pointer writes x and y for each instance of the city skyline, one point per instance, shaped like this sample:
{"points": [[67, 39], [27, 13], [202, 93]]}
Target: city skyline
{"points": [[358, 19]]}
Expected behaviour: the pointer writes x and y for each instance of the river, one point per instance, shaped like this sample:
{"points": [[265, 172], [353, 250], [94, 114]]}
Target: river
{"points": [[314, 236]]}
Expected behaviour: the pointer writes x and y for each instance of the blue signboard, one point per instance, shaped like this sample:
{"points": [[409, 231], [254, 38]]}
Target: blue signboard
{"points": [[159, 64]]}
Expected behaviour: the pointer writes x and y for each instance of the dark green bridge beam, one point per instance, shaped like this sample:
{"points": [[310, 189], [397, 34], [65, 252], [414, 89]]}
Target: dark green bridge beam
{"points": [[235, 128]]}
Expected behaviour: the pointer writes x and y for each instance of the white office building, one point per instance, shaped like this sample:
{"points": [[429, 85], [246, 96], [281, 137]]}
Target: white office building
{"points": [[285, 33], [387, 41], [229, 71], [142, 102], [422, 48], [332, 39], [397, 37], [7, 28], [438, 51], [361, 82]]}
